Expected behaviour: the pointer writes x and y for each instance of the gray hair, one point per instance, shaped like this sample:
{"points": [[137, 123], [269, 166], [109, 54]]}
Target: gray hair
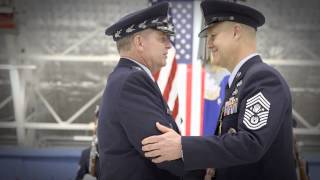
{"points": [[124, 44]]}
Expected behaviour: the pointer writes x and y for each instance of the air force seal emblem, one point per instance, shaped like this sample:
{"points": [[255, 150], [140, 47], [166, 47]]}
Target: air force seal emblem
{"points": [[257, 111]]}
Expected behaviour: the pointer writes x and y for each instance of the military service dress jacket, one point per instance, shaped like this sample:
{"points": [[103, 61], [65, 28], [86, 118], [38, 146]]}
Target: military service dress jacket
{"points": [[254, 138], [84, 164], [131, 105]]}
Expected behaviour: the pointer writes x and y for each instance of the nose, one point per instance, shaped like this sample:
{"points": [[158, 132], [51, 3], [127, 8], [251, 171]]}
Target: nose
{"points": [[168, 43]]}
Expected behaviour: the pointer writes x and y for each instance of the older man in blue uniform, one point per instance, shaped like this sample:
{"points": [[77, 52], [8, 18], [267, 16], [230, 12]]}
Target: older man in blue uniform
{"points": [[253, 140], [132, 102]]}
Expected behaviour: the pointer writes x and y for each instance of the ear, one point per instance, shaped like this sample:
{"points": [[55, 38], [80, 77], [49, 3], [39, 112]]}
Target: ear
{"points": [[237, 31], [138, 42]]}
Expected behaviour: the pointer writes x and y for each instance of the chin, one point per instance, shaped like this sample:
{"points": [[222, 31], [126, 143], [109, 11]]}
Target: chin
{"points": [[215, 61], [164, 62]]}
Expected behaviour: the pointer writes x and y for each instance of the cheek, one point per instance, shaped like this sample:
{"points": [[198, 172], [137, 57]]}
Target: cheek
{"points": [[223, 46]]}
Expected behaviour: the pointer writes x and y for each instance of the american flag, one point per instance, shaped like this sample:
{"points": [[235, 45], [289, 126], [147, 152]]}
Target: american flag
{"points": [[182, 80], [177, 79]]}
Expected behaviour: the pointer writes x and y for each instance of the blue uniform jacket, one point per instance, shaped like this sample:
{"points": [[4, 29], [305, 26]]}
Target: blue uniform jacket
{"points": [[84, 164], [255, 138], [132, 104]]}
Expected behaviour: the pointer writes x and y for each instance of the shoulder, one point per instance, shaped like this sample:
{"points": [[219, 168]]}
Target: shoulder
{"points": [[86, 151], [123, 75], [264, 73], [130, 81], [262, 69], [263, 77], [137, 74], [136, 77]]}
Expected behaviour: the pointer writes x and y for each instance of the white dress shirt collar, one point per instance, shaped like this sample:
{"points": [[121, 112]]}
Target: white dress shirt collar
{"points": [[238, 66], [143, 67]]}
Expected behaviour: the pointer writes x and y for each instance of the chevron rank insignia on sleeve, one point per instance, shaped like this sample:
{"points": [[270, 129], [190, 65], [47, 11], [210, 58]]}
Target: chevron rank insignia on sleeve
{"points": [[256, 112]]}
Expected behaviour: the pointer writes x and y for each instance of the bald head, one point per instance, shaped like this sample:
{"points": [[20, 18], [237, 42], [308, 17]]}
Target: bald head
{"points": [[241, 32], [230, 42]]}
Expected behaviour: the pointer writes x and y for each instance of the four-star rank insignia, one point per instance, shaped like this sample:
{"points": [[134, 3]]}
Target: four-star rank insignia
{"points": [[256, 112], [137, 68]]}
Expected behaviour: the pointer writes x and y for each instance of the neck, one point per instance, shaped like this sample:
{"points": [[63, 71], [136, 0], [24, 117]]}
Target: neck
{"points": [[137, 57], [243, 52]]}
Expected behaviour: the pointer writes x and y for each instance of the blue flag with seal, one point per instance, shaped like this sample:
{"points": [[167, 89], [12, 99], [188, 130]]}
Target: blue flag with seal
{"points": [[215, 82]]}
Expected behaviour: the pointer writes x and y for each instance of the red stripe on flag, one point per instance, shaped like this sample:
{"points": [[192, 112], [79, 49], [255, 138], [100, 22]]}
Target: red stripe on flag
{"points": [[172, 75], [188, 99], [175, 108]]}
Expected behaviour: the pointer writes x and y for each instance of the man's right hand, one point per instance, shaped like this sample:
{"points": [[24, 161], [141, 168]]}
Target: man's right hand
{"points": [[210, 174]]}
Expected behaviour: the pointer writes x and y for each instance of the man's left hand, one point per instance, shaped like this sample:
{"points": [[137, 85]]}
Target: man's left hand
{"points": [[164, 147]]}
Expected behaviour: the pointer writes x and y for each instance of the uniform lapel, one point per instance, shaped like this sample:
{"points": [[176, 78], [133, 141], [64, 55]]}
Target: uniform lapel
{"points": [[130, 64], [243, 69], [235, 84]]}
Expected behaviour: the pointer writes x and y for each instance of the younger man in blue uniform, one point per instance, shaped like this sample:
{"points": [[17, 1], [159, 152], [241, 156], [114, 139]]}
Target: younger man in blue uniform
{"points": [[253, 140]]}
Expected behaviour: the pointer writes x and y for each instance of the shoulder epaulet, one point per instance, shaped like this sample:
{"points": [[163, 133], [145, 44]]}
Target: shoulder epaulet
{"points": [[136, 68]]}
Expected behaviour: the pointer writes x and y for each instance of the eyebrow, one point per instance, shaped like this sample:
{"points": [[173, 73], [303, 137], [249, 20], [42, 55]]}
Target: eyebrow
{"points": [[212, 34]]}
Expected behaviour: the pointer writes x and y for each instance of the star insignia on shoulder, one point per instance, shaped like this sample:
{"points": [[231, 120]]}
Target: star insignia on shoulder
{"points": [[137, 68]]}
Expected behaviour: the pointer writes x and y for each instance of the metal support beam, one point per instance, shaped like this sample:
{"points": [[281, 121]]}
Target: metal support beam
{"points": [[44, 139], [305, 90], [292, 62], [306, 131], [75, 115], [112, 58], [17, 86], [20, 67], [81, 41], [54, 126], [313, 144], [18, 93], [30, 116], [49, 107], [307, 50], [318, 126], [82, 138], [299, 118], [49, 126], [5, 102], [7, 125], [84, 107]]}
